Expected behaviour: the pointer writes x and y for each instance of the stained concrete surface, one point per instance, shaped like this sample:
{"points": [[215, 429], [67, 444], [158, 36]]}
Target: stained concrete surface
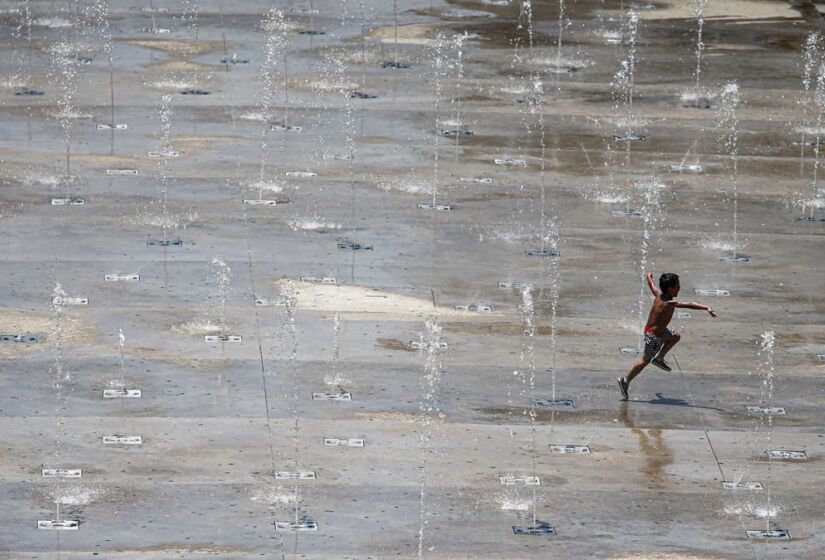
{"points": [[219, 420]]}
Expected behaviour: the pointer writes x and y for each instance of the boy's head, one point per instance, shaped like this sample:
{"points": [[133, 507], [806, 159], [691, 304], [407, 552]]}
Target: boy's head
{"points": [[669, 284]]}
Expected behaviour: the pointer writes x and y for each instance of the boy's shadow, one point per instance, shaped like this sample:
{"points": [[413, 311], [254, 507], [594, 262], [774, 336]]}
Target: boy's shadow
{"points": [[660, 399]]}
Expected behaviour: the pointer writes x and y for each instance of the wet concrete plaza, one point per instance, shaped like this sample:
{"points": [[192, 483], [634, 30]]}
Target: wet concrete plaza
{"points": [[344, 280]]}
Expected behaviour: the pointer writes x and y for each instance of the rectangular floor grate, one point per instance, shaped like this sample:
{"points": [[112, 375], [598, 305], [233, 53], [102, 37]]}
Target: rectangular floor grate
{"points": [[61, 473], [713, 293], [61, 525], [779, 534], [343, 442], [292, 527], [122, 393], [20, 339], [122, 440], [766, 410], [570, 449], [121, 172], [68, 201], [558, 403], [122, 278], [222, 338], [748, 485], [783, 455], [519, 480], [534, 530], [627, 214], [296, 475], [331, 396]]}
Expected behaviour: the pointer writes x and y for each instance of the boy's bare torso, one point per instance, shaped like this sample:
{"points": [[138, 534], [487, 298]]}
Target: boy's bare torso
{"points": [[661, 313]]}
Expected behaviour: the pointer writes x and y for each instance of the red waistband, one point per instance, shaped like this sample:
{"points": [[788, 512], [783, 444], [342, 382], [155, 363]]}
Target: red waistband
{"points": [[650, 330]]}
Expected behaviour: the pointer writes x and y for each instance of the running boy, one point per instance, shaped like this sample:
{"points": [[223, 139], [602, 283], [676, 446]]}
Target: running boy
{"points": [[658, 338]]}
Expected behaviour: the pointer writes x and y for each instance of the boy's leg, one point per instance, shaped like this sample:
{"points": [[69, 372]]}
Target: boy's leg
{"points": [[636, 369], [671, 342]]}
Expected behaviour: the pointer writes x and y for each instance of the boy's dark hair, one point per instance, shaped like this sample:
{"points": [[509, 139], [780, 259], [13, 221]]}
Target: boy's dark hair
{"points": [[668, 280]]}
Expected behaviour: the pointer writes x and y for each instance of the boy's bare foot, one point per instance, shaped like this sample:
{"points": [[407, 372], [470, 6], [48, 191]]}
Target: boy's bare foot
{"points": [[623, 385], [660, 363]]}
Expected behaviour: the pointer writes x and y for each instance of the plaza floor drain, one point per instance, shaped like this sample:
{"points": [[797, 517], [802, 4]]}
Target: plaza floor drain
{"points": [[456, 133], [112, 126], [164, 243], [474, 308], [164, 154], [735, 259], [820, 357], [295, 475], [70, 300], [748, 485], [529, 101], [630, 351], [418, 345], [395, 65], [122, 393], [511, 162], [482, 180], [570, 449], [293, 527], [627, 214], [683, 315], [72, 201], [222, 338], [362, 95], [285, 128], [808, 143], [557, 403], [61, 473], [122, 440], [782, 455], [712, 293], [311, 32], [343, 442], [773, 534], [542, 253], [322, 280], [121, 278], [264, 302], [630, 138], [514, 285], [301, 174], [331, 396], [346, 244], [261, 202], [698, 104], [194, 92], [58, 525], [438, 207], [19, 339], [810, 219], [234, 60], [121, 172], [541, 529], [766, 410], [681, 168], [29, 93], [519, 480]]}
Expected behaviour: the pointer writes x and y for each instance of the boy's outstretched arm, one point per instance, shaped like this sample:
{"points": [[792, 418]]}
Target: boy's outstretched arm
{"points": [[693, 305], [652, 285]]}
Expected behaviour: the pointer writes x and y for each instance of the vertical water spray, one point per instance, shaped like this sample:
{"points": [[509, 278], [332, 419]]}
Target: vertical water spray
{"points": [[527, 357], [61, 378], [650, 190], [439, 65], [269, 78], [819, 104], [811, 58], [767, 369], [728, 124], [699, 12], [165, 152], [430, 414], [221, 274], [623, 82]]}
